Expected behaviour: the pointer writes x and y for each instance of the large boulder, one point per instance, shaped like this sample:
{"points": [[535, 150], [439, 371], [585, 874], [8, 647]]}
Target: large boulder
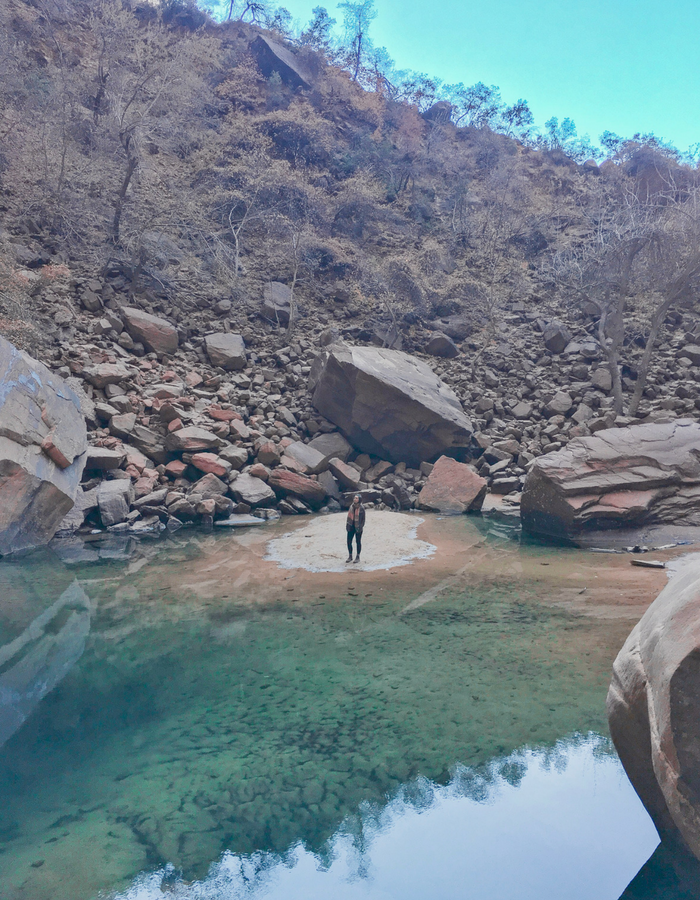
{"points": [[226, 350], [276, 303], [156, 333], [286, 483], [654, 709], [639, 475], [43, 445], [253, 491], [389, 404], [273, 57], [452, 487]]}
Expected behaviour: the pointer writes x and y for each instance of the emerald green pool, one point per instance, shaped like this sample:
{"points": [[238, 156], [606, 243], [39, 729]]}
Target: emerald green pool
{"points": [[161, 741]]}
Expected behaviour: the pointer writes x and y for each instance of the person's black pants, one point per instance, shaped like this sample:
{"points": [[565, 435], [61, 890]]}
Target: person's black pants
{"points": [[358, 540]]}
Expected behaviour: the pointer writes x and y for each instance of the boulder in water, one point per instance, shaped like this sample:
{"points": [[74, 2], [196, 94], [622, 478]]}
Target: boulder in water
{"points": [[654, 709]]}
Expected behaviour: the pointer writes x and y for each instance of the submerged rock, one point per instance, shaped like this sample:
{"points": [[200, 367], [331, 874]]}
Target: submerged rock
{"points": [[389, 404], [639, 475], [43, 444], [654, 709]]}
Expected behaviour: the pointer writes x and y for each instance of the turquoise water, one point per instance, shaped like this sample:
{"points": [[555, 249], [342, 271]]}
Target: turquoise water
{"points": [[162, 737]]}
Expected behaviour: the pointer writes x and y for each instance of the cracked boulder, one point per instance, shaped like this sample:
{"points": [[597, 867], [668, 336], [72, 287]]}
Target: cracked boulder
{"points": [[620, 477], [43, 445], [389, 404]]}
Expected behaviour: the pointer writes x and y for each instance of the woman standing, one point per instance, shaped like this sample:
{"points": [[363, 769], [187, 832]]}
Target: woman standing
{"points": [[355, 524]]}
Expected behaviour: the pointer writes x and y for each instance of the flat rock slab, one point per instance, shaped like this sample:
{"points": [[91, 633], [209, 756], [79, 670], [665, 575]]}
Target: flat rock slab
{"points": [[226, 350], [389, 540], [240, 521], [619, 477], [388, 403]]}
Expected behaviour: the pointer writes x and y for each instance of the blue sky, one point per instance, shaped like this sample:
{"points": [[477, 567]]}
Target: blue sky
{"points": [[621, 65]]}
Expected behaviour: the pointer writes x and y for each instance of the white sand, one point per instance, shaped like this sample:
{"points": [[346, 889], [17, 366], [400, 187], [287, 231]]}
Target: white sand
{"points": [[320, 545]]}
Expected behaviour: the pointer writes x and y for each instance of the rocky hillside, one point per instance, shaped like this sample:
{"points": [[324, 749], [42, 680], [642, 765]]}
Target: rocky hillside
{"points": [[191, 212]]}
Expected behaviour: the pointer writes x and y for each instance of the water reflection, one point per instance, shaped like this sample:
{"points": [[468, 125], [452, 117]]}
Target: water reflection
{"points": [[540, 824], [37, 659]]}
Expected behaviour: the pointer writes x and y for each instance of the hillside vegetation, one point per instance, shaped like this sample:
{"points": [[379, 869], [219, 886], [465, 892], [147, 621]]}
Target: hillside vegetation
{"points": [[152, 157]]}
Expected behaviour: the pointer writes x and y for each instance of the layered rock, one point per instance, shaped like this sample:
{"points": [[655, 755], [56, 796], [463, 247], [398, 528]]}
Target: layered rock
{"points": [[452, 487], [639, 475], [389, 404], [43, 444], [654, 709]]}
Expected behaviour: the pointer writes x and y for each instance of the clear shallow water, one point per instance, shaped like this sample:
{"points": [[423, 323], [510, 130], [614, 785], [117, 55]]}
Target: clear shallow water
{"points": [[558, 823], [177, 719]]}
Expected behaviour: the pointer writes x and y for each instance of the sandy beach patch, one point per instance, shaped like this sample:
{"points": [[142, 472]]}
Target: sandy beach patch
{"points": [[389, 540]]}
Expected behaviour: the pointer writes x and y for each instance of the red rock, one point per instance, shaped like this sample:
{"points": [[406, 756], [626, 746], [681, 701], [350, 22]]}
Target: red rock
{"points": [[52, 451], [629, 477], [239, 430], [258, 470], [211, 463], [452, 487], [284, 482], [175, 424], [347, 475], [156, 333], [193, 379], [223, 415], [654, 708], [145, 484], [176, 468], [206, 507], [191, 439], [268, 454]]}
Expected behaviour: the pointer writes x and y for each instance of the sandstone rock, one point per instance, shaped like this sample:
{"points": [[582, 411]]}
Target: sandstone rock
{"points": [[268, 454], [654, 709], [602, 379], [252, 491], [101, 459], [226, 350], [191, 439], [43, 444], [522, 410], [330, 485], [691, 352], [240, 521], [237, 456], [639, 475], [276, 300], [388, 403], [330, 445], [105, 373], [452, 487], [85, 502], [310, 461], [148, 442], [347, 475], [122, 425], [285, 483], [440, 345], [559, 405], [556, 337], [208, 486], [210, 462], [113, 499], [156, 333]]}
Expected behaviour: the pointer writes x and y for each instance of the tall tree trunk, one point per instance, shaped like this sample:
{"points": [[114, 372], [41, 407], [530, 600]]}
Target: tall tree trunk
{"points": [[121, 197]]}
